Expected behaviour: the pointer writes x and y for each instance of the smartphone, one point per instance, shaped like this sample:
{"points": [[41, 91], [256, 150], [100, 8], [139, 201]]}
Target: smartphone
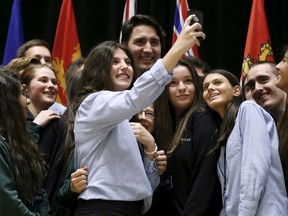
{"points": [[198, 18]]}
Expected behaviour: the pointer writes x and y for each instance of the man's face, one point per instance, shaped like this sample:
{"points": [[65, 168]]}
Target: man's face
{"points": [[40, 52], [261, 81], [121, 72], [145, 45]]}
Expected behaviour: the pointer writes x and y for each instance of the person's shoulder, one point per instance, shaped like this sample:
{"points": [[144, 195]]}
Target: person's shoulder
{"points": [[249, 105], [205, 114], [252, 107]]}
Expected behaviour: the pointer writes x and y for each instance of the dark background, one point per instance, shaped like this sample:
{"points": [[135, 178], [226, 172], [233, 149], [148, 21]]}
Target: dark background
{"points": [[225, 24]]}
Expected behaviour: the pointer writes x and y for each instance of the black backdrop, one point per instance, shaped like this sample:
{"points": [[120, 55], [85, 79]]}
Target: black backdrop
{"points": [[225, 24]]}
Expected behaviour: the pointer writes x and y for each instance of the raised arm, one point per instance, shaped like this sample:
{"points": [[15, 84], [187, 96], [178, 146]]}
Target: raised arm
{"points": [[186, 39]]}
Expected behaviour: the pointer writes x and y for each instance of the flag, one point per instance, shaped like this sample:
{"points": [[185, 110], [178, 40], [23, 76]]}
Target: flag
{"points": [[181, 11], [258, 44], [66, 48], [15, 36], [129, 11]]}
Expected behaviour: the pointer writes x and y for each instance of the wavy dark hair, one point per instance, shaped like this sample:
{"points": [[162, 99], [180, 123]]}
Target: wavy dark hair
{"points": [[21, 52], [199, 63], [71, 90], [95, 77], [167, 135], [71, 71], [231, 112], [26, 160]]}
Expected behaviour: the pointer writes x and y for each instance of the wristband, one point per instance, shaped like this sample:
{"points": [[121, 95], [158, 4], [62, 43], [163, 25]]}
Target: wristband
{"points": [[152, 152]]}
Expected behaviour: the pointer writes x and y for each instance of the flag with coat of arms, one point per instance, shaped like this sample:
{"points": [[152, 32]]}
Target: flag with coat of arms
{"points": [[66, 48], [258, 43]]}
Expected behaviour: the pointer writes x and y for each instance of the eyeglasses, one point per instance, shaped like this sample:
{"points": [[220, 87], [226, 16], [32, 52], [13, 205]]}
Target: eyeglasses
{"points": [[24, 93], [148, 114]]}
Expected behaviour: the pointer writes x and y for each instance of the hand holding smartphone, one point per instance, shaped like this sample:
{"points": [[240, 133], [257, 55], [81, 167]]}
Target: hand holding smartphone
{"points": [[198, 18]]}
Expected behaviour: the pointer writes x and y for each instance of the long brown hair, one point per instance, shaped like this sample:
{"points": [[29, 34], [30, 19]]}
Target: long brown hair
{"points": [[27, 163], [95, 77], [168, 133], [228, 121]]}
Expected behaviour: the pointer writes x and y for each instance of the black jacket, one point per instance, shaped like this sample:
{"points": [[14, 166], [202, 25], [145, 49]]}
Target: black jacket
{"points": [[196, 190]]}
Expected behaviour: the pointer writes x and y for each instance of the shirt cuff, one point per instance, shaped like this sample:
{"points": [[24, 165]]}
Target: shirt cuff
{"points": [[150, 165]]}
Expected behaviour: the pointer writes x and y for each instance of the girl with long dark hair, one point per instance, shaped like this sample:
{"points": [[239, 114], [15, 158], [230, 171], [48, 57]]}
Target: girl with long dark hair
{"points": [[22, 166], [249, 166]]}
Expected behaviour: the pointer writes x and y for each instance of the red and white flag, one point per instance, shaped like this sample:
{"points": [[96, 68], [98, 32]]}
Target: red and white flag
{"points": [[258, 44], [66, 47], [129, 11], [181, 11]]}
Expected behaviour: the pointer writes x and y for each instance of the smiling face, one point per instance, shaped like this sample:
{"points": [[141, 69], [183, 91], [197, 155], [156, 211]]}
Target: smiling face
{"points": [[145, 46], [146, 118], [261, 81], [42, 89], [218, 92], [181, 89], [282, 68], [121, 71]]}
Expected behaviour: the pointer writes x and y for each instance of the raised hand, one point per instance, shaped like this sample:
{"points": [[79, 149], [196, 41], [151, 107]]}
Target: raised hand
{"points": [[45, 116]]}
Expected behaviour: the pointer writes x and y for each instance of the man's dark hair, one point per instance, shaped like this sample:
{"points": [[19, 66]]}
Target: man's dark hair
{"points": [[34, 42], [199, 63], [142, 20]]}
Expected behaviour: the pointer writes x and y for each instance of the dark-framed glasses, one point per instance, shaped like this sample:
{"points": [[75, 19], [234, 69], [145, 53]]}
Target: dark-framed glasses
{"points": [[148, 114]]}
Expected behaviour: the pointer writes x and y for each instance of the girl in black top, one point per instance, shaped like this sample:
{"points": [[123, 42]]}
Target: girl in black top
{"points": [[22, 167], [190, 186]]}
